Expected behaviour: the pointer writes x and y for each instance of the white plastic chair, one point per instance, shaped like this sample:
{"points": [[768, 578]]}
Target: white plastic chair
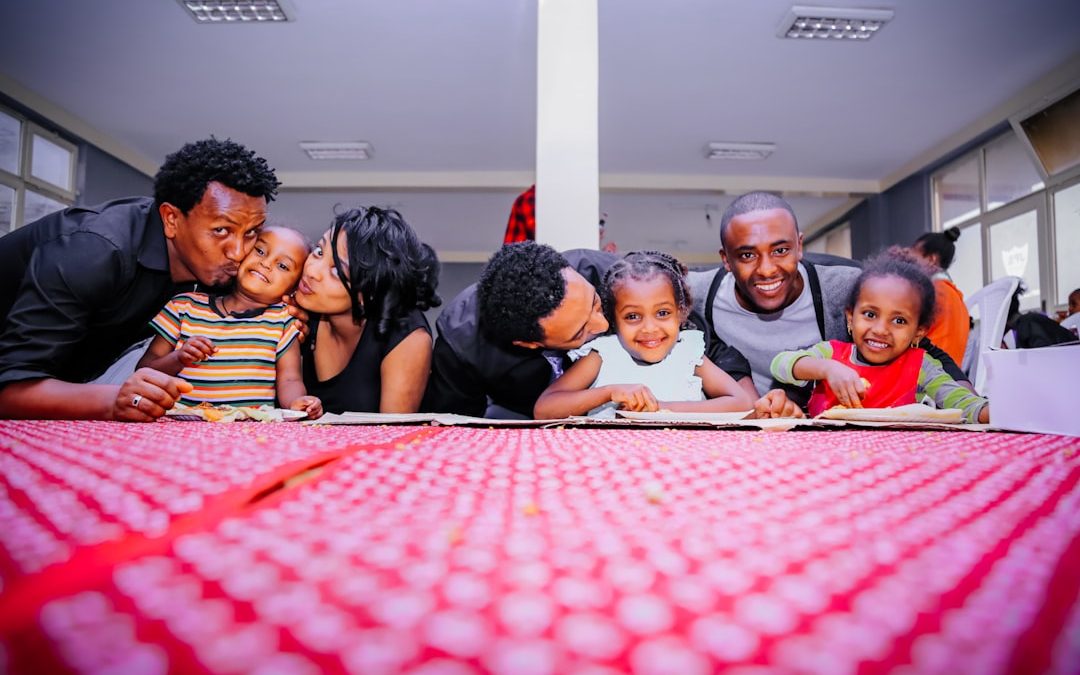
{"points": [[991, 303]]}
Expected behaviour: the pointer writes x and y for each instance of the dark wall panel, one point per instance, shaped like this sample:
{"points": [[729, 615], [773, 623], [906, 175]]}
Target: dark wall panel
{"points": [[103, 177]]}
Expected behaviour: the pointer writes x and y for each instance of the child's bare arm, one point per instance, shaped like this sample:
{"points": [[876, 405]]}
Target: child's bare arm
{"points": [[163, 357], [722, 393], [291, 392], [570, 393]]}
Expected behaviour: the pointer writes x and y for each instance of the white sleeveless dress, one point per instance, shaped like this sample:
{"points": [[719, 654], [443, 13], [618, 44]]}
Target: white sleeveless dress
{"points": [[672, 379]]}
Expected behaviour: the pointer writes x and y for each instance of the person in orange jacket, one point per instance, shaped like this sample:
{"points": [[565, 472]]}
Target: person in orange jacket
{"points": [[952, 323]]}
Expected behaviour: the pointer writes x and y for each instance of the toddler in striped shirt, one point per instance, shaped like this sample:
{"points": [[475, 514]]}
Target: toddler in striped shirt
{"points": [[242, 348]]}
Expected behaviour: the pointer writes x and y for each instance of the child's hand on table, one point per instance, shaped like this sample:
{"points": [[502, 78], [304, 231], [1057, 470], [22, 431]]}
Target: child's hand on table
{"points": [[633, 397], [309, 404]]}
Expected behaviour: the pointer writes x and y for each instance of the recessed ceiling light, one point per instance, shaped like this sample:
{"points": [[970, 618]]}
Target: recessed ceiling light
{"points": [[236, 11], [742, 151], [336, 150], [832, 23]]}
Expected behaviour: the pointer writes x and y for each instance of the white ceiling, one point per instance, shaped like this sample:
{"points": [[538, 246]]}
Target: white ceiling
{"points": [[445, 92]]}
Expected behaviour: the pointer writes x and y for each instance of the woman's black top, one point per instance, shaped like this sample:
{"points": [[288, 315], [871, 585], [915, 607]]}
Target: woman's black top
{"points": [[357, 388]]}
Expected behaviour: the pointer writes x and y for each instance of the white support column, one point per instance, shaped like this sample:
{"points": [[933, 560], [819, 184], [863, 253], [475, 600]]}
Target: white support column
{"points": [[567, 161]]}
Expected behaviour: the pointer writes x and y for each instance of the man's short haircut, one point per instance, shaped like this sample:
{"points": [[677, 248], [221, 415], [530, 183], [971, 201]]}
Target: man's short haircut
{"points": [[754, 201], [521, 284], [183, 177]]}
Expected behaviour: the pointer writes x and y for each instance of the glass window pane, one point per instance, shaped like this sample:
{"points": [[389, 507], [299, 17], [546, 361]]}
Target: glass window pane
{"points": [[37, 205], [1010, 173], [1014, 251], [10, 133], [967, 267], [51, 162], [7, 208], [1067, 240], [956, 193]]}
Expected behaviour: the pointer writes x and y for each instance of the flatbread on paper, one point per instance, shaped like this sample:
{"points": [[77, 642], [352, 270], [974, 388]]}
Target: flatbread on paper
{"points": [[207, 412]]}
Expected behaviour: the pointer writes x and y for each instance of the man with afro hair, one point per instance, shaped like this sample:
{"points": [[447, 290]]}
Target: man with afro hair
{"points": [[79, 286], [499, 339], [502, 340]]}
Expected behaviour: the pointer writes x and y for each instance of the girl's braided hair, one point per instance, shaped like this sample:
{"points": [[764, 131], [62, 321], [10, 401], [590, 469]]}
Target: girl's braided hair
{"points": [[643, 266]]}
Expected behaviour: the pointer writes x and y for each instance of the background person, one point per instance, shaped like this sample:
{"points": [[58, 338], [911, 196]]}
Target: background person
{"points": [[366, 285], [1072, 319], [1034, 329], [79, 286], [952, 322]]}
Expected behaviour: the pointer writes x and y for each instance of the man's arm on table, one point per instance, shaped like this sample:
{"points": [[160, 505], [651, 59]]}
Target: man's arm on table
{"points": [[54, 399], [65, 280]]}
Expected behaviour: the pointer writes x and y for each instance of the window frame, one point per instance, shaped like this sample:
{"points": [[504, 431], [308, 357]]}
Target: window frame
{"points": [[1040, 200], [22, 180], [40, 184], [1067, 180]]}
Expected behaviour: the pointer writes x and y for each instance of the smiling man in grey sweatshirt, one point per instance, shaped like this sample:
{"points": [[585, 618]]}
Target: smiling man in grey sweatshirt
{"points": [[769, 297]]}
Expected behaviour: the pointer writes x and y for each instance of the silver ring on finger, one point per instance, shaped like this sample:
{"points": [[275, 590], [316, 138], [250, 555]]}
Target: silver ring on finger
{"points": [[136, 400]]}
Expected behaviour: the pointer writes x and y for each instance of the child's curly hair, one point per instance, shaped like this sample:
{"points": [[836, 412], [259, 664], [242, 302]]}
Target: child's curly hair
{"points": [[899, 262], [643, 266]]}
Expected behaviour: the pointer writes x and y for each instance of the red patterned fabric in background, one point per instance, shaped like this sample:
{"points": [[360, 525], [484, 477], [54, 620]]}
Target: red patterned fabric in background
{"points": [[522, 223]]}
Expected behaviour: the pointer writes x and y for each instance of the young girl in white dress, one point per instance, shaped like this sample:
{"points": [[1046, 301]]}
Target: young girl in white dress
{"points": [[649, 363]]}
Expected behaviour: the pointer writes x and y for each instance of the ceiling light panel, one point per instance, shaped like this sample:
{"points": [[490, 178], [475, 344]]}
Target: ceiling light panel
{"points": [[237, 11], [832, 23], [740, 151], [336, 150]]}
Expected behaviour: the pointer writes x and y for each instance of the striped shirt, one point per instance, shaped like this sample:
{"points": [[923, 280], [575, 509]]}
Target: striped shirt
{"points": [[243, 371], [933, 383]]}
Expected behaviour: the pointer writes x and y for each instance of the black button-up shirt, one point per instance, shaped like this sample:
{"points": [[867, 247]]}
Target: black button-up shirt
{"points": [[79, 286]]}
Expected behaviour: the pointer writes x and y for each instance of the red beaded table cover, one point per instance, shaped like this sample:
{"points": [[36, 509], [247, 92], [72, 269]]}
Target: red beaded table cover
{"points": [[594, 551], [68, 487]]}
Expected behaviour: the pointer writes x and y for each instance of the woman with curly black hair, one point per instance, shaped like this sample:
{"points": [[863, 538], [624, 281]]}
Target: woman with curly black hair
{"points": [[366, 285]]}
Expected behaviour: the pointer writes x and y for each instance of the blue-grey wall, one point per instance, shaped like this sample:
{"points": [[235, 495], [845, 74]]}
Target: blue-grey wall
{"points": [[103, 177], [897, 216]]}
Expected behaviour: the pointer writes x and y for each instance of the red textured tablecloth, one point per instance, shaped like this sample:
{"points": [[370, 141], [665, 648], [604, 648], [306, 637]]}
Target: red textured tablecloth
{"points": [[458, 550]]}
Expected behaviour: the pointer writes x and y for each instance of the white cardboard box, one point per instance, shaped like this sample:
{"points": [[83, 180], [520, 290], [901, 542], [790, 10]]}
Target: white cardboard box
{"points": [[1035, 389]]}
